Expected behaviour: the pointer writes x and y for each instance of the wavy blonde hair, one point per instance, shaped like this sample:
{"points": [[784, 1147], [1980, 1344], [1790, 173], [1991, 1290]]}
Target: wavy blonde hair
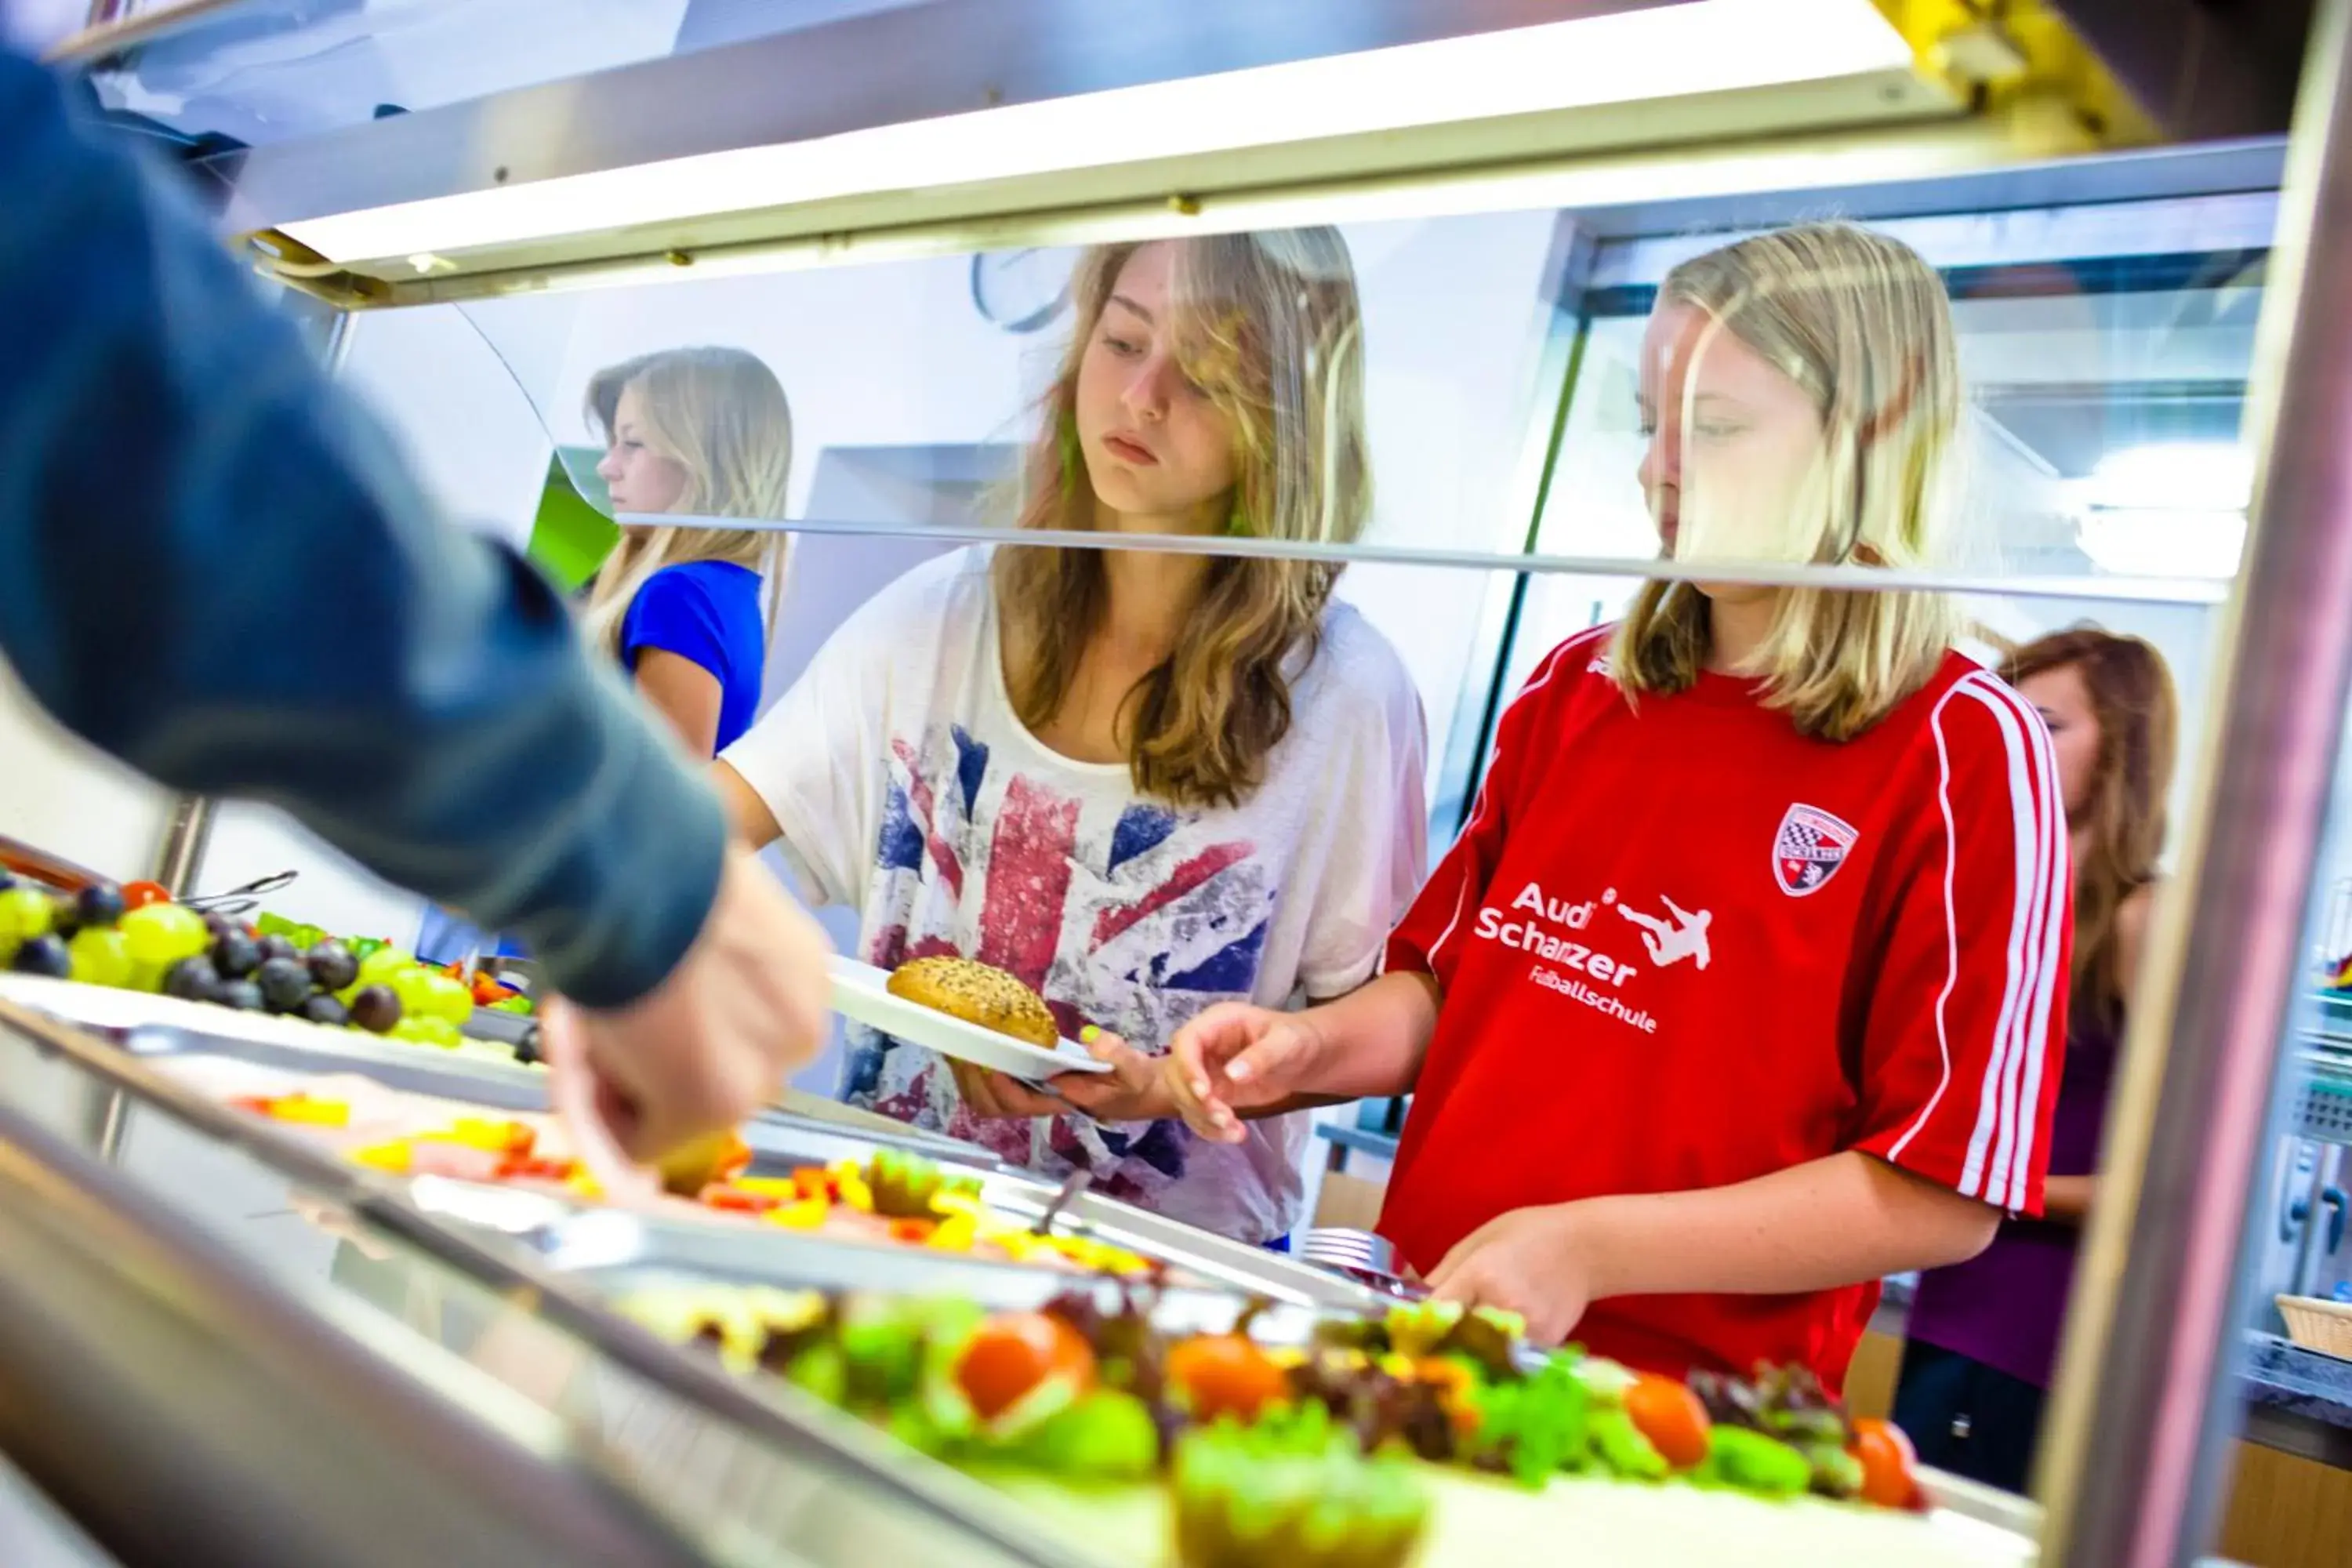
{"points": [[721, 415], [1863, 324], [1269, 327]]}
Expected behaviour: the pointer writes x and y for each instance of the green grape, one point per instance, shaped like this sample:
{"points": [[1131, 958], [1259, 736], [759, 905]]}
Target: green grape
{"points": [[445, 997], [378, 965], [163, 934], [25, 913], [428, 1032], [412, 984], [100, 957], [147, 977]]}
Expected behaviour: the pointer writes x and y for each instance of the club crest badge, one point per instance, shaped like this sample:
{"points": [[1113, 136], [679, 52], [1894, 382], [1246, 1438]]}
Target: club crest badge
{"points": [[1808, 850]]}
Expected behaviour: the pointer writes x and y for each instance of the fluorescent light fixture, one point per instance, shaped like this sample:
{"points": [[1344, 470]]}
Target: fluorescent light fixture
{"points": [[1664, 51], [2174, 508]]}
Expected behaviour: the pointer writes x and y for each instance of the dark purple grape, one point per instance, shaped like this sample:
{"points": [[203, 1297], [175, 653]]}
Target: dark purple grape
{"points": [[44, 955], [323, 1008], [6, 880], [278, 947], [374, 1007], [285, 984], [526, 1050], [65, 916], [242, 994], [236, 955], [192, 980], [333, 965], [100, 904]]}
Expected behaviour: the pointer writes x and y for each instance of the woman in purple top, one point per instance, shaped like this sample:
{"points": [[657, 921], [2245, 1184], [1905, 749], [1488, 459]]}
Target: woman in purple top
{"points": [[1984, 1333]]}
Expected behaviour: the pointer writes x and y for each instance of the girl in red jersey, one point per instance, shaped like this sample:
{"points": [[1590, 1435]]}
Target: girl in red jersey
{"points": [[1746, 983]]}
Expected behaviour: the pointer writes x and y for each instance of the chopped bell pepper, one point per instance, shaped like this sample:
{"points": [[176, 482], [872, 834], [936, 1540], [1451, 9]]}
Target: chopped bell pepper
{"points": [[302, 1108], [808, 1213]]}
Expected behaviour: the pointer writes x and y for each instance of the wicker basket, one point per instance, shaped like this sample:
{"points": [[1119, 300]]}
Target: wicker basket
{"points": [[2318, 1325]]}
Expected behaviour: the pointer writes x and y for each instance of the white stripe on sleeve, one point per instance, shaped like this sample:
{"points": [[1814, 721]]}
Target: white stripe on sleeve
{"points": [[1951, 934], [2057, 875], [1999, 1147]]}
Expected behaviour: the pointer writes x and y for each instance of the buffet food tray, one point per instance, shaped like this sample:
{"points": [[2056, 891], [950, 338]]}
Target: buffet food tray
{"points": [[618, 1255], [577, 1240], [161, 1026], [778, 1142], [1233, 1264]]}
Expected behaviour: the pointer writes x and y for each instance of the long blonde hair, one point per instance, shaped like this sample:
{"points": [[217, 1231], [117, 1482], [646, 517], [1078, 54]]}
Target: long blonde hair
{"points": [[1863, 324], [721, 415], [2123, 824], [1268, 326]]}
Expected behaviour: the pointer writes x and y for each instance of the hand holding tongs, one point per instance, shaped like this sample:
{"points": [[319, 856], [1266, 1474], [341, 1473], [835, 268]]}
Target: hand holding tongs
{"points": [[1076, 1182], [241, 900]]}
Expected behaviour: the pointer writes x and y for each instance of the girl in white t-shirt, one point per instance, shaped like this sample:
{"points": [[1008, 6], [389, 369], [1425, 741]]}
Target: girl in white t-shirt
{"points": [[1143, 782]]}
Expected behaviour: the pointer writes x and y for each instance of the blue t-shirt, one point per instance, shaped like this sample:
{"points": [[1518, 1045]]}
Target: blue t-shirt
{"points": [[706, 611]]}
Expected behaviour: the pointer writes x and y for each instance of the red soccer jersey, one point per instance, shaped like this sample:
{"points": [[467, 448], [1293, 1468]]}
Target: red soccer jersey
{"points": [[1682, 945]]}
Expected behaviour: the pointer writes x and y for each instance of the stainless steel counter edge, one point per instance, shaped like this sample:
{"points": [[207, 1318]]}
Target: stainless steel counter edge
{"points": [[817, 1435], [184, 1409]]}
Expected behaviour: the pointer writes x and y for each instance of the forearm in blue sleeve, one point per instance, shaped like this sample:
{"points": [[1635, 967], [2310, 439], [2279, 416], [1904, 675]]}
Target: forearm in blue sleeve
{"points": [[213, 566]]}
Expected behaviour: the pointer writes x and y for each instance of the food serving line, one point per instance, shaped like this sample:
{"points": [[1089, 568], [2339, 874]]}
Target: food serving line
{"points": [[576, 1260]]}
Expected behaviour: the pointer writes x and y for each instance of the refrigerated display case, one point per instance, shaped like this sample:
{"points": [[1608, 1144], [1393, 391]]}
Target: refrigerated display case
{"points": [[881, 181]]}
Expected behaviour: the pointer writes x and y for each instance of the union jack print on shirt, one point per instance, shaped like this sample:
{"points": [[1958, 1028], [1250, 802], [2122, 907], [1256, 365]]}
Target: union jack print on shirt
{"points": [[1122, 913]]}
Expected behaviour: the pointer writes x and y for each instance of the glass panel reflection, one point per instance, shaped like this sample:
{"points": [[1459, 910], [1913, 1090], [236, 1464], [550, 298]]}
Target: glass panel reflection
{"points": [[1500, 401]]}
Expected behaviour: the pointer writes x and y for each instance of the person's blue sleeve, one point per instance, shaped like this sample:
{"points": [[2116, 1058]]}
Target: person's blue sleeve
{"points": [[675, 612], [213, 565]]}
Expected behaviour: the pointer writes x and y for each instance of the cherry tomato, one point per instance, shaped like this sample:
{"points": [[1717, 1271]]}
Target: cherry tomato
{"points": [[529, 1168], [1222, 1373], [1889, 1465], [139, 895], [913, 1231], [735, 1200], [1011, 1355], [1670, 1416]]}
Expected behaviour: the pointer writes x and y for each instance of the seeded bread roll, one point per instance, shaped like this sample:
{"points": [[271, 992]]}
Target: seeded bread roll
{"points": [[977, 993]]}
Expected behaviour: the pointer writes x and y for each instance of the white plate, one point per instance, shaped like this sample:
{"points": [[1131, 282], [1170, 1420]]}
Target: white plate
{"points": [[862, 992]]}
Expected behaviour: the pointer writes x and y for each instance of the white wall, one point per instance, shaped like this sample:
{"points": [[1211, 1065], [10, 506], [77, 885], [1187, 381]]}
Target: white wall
{"points": [[63, 797]]}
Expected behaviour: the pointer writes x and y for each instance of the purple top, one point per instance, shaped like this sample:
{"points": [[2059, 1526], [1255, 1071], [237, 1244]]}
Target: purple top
{"points": [[2004, 1306]]}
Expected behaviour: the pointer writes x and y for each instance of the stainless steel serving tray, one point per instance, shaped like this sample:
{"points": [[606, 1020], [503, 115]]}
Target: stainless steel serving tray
{"points": [[779, 1141], [578, 1239], [616, 1253], [163, 1027], [1235, 1265]]}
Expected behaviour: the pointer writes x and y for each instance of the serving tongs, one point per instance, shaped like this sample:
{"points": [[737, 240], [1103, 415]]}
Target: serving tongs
{"points": [[240, 900], [1076, 1182], [1369, 1258]]}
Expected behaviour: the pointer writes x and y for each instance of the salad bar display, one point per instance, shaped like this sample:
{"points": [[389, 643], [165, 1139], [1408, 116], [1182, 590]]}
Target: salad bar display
{"points": [[1350, 1446], [1139, 1390]]}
